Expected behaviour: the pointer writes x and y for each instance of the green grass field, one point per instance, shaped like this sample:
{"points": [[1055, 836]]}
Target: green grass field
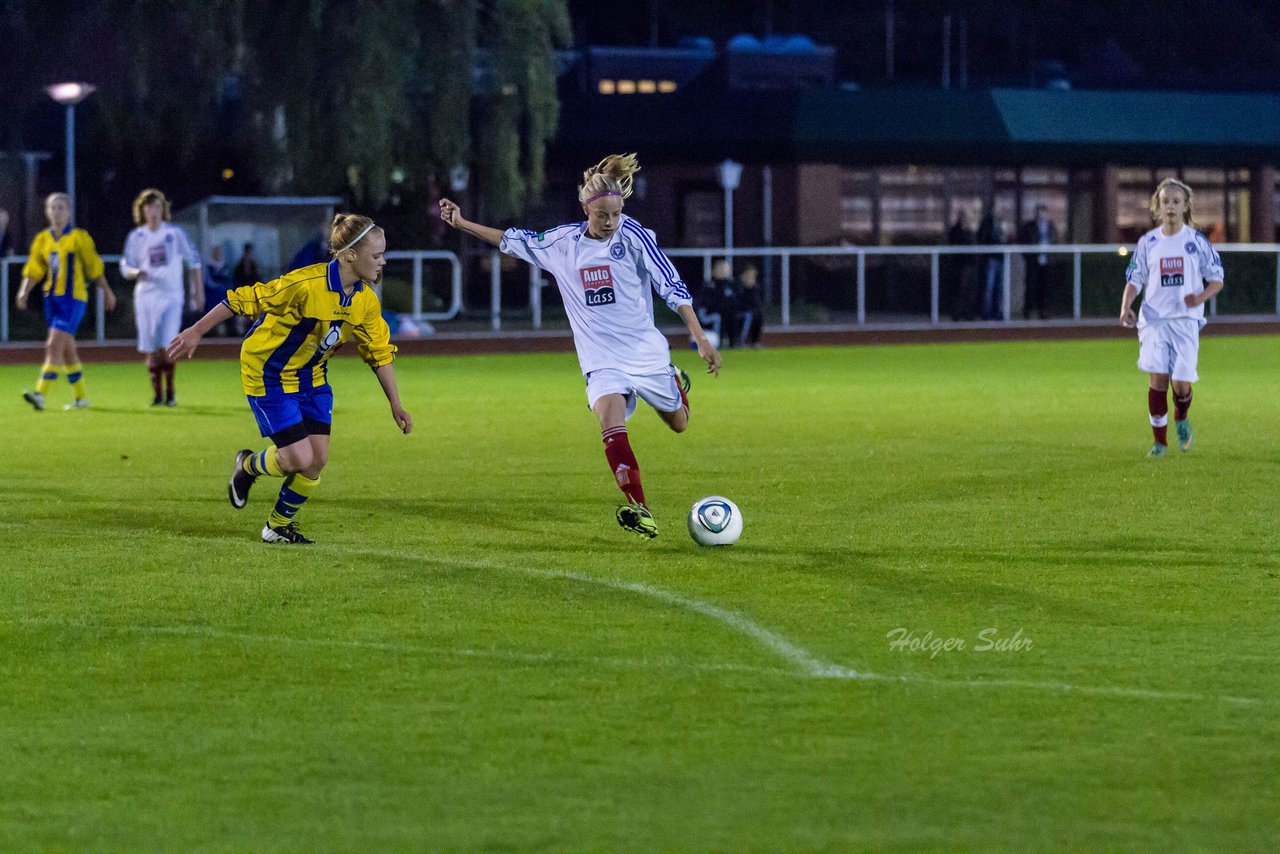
{"points": [[476, 656]]}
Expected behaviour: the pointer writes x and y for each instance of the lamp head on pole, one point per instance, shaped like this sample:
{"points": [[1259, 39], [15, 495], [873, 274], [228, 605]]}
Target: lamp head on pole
{"points": [[730, 174], [70, 93]]}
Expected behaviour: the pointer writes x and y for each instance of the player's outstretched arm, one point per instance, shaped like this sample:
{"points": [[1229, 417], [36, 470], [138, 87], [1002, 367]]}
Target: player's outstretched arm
{"points": [[452, 215], [387, 379], [184, 344], [706, 352]]}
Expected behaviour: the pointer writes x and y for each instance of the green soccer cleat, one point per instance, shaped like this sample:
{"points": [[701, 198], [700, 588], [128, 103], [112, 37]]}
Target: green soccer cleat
{"points": [[1158, 450], [1186, 436], [637, 519]]}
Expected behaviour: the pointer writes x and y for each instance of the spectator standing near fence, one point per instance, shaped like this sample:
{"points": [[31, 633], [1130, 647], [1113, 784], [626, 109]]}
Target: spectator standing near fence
{"points": [[750, 307], [1177, 270], [63, 260], [6, 235], [991, 233], [1038, 231], [158, 257], [962, 269]]}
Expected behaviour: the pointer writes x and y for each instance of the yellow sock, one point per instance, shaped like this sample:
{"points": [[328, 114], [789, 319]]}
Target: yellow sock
{"points": [[263, 462], [75, 376], [48, 374], [295, 492]]}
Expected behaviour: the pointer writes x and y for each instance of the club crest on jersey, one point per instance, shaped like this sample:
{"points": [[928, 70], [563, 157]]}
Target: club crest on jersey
{"points": [[1191, 248], [597, 283], [1171, 272], [330, 339], [617, 250]]}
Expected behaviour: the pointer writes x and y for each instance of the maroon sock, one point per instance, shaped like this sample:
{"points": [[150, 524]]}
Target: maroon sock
{"points": [[154, 370], [626, 471], [1158, 406], [168, 369], [1181, 405]]}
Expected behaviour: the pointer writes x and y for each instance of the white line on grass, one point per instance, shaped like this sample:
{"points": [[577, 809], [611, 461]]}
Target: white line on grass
{"points": [[209, 633], [814, 667], [805, 663]]}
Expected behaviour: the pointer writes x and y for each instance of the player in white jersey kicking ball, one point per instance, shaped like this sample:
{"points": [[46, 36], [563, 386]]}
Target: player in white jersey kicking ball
{"points": [[1176, 265], [607, 269]]}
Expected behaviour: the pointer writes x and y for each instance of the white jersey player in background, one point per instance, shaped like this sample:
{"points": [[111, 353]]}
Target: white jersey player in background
{"points": [[158, 256], [607, 270], [1174, 265]]}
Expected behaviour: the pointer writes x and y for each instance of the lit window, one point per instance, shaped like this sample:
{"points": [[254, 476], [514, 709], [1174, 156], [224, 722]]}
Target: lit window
{"points": [[666, 86], [626, 87], [606, 87], [646, 87]]}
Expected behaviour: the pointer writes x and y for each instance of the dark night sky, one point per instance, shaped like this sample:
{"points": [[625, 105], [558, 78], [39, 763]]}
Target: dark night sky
{"points": [[1235, 43]]}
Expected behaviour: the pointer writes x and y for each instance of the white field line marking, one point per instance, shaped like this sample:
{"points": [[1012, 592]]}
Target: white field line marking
{"points": [[807, 664], [811, 666], [209, 633]]}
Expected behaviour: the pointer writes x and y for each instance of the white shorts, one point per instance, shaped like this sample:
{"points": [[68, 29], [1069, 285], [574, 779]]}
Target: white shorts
{"points": [[159, 319], [1171, 347], [659, 390]]}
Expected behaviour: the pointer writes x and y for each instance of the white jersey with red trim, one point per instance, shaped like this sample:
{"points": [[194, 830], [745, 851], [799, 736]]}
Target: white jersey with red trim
{"points": [[164, 255], [1166, 268], [607, 287]]}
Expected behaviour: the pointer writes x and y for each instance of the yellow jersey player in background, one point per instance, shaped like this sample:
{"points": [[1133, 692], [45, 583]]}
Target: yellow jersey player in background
{"points": [[64, 261], [303, 317]]}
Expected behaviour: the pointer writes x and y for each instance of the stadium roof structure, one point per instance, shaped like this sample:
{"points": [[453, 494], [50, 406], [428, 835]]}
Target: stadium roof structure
{"points": [[928, 125]]}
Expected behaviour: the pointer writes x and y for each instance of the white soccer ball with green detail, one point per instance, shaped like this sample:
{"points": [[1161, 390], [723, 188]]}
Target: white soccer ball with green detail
{"points": [[715, 521]]}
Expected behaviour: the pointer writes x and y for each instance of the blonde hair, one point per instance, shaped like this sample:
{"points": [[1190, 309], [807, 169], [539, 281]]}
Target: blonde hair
{"points": [[613, 175], [1186, 191], [64, 196], [347, 228], [145, 198]]}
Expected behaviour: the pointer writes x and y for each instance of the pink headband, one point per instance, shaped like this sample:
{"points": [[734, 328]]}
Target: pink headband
{"points": [[602, 195]]}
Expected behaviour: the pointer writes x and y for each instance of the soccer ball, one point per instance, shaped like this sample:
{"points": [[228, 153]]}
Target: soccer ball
{"points": [[715, 521]]}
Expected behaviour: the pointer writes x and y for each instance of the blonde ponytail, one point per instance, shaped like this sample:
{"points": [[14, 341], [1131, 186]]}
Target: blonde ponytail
{"points": [[611, 176]]}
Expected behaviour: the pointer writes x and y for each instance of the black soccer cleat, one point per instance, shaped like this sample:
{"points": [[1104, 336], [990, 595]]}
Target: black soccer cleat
{"points": [[683, 379], [241, 481], [289, 535]]}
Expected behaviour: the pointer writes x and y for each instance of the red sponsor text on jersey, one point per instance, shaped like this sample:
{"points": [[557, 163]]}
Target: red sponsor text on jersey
{"points": [[596, 277], [1171, 265], [597, 284]]}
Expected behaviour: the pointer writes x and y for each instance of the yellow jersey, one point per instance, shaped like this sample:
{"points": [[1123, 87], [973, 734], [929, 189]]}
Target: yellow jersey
{"points": [[65, 263], [303, 318]]}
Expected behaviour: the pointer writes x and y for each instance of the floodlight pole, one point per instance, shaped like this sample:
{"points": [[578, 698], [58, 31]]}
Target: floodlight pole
{"points": [[730, 175], [70, 94]]}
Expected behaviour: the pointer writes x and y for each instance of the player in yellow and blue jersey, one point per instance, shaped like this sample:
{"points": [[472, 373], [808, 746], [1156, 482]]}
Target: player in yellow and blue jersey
{"points": [[303, 317], [63, 261]]}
